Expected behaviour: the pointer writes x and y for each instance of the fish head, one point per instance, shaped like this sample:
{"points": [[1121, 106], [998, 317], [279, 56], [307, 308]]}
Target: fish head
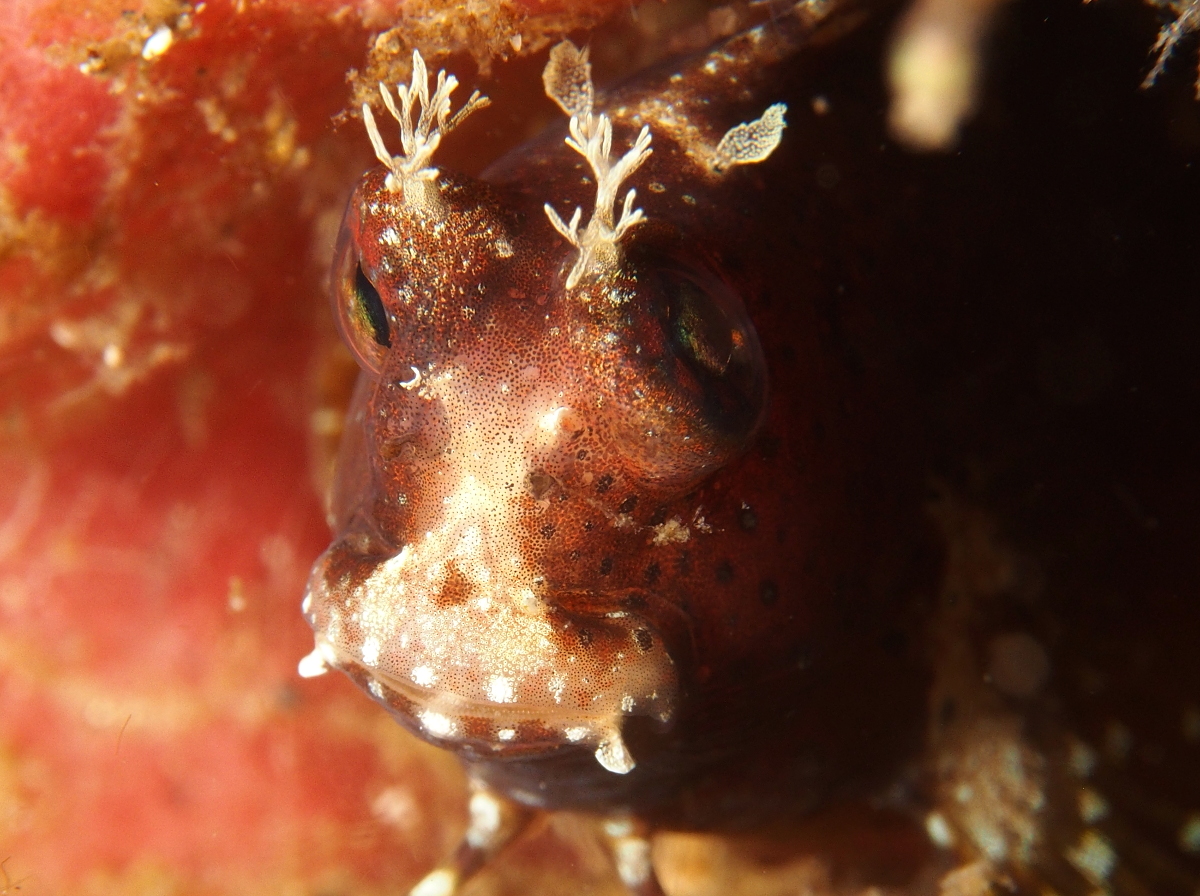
{"points": [[517, 455]]}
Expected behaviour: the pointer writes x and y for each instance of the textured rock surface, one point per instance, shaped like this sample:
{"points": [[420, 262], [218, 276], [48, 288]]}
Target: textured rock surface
{"points": [[166, 213]]}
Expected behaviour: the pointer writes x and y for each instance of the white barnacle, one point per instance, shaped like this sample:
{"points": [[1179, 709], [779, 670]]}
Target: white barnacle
{"points": [[568, 82], [424, 120], [751, 141]]}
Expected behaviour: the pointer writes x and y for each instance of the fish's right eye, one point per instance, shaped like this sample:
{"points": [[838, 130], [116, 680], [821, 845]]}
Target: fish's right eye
{"points": [[361, 315], [369, 310]]}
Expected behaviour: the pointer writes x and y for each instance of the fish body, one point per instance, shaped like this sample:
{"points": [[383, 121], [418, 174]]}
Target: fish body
{"points": [[636, 517], [583, 522]]}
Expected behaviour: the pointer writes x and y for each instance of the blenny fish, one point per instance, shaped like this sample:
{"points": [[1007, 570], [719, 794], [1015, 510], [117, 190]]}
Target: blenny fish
{"points": [[652, 504]]}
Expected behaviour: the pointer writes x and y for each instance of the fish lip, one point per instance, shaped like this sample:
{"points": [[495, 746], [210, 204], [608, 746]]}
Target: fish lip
{"points": [[446, 719]]}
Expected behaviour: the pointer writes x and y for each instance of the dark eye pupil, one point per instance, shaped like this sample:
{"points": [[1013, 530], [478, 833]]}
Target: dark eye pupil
{"points": [[715, 346], [706, 337], [370, 306]]}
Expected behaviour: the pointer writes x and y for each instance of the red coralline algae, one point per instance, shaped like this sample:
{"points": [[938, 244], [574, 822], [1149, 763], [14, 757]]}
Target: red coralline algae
{"points": [[165, 208], [171, 180]]}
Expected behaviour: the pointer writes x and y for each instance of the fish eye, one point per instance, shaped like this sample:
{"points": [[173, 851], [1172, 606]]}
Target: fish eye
{"points": [[358, 308], [717, 359], [368, 308]]}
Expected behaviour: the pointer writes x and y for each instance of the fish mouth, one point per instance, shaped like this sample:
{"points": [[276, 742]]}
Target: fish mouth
{"points": [[505, 671], [479, 726]]}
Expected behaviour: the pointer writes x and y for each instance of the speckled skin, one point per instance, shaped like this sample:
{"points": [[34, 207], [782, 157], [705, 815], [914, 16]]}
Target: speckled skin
{"points": [[946, 340], [710, 540]]}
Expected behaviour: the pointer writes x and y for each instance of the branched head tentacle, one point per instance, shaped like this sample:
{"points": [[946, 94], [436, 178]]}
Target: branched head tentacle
{"points": [[568, 82], [424, 120]]}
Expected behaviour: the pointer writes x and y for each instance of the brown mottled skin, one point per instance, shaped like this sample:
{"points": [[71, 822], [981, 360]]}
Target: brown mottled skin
{"points": [[778, 631], [1004, 324]]}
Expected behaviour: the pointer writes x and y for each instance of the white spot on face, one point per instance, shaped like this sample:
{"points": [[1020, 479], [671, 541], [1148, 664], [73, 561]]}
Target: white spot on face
{"points": [[627, 703], [576, 734], [375, 688], [436, 724], [424, 676], [506, 734], [390, 236], [501, 690], [557, 684], [370, 650]]}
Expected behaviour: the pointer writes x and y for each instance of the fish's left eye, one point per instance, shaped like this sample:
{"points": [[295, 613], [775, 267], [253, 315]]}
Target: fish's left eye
{"points": [[358, 308], [716, 355]]}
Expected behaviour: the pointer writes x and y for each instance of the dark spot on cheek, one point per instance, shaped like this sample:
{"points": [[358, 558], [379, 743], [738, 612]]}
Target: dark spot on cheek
{"points": [[540, 484], [652, 573], [547, 531], [643, 639], [628, 504], [581, 454], [585, 637], [588, 525], [457, 589], [747, 519], [603, 484], [768, 593], [606, 566], [658, 517], [724, 572], [636, 602]]}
